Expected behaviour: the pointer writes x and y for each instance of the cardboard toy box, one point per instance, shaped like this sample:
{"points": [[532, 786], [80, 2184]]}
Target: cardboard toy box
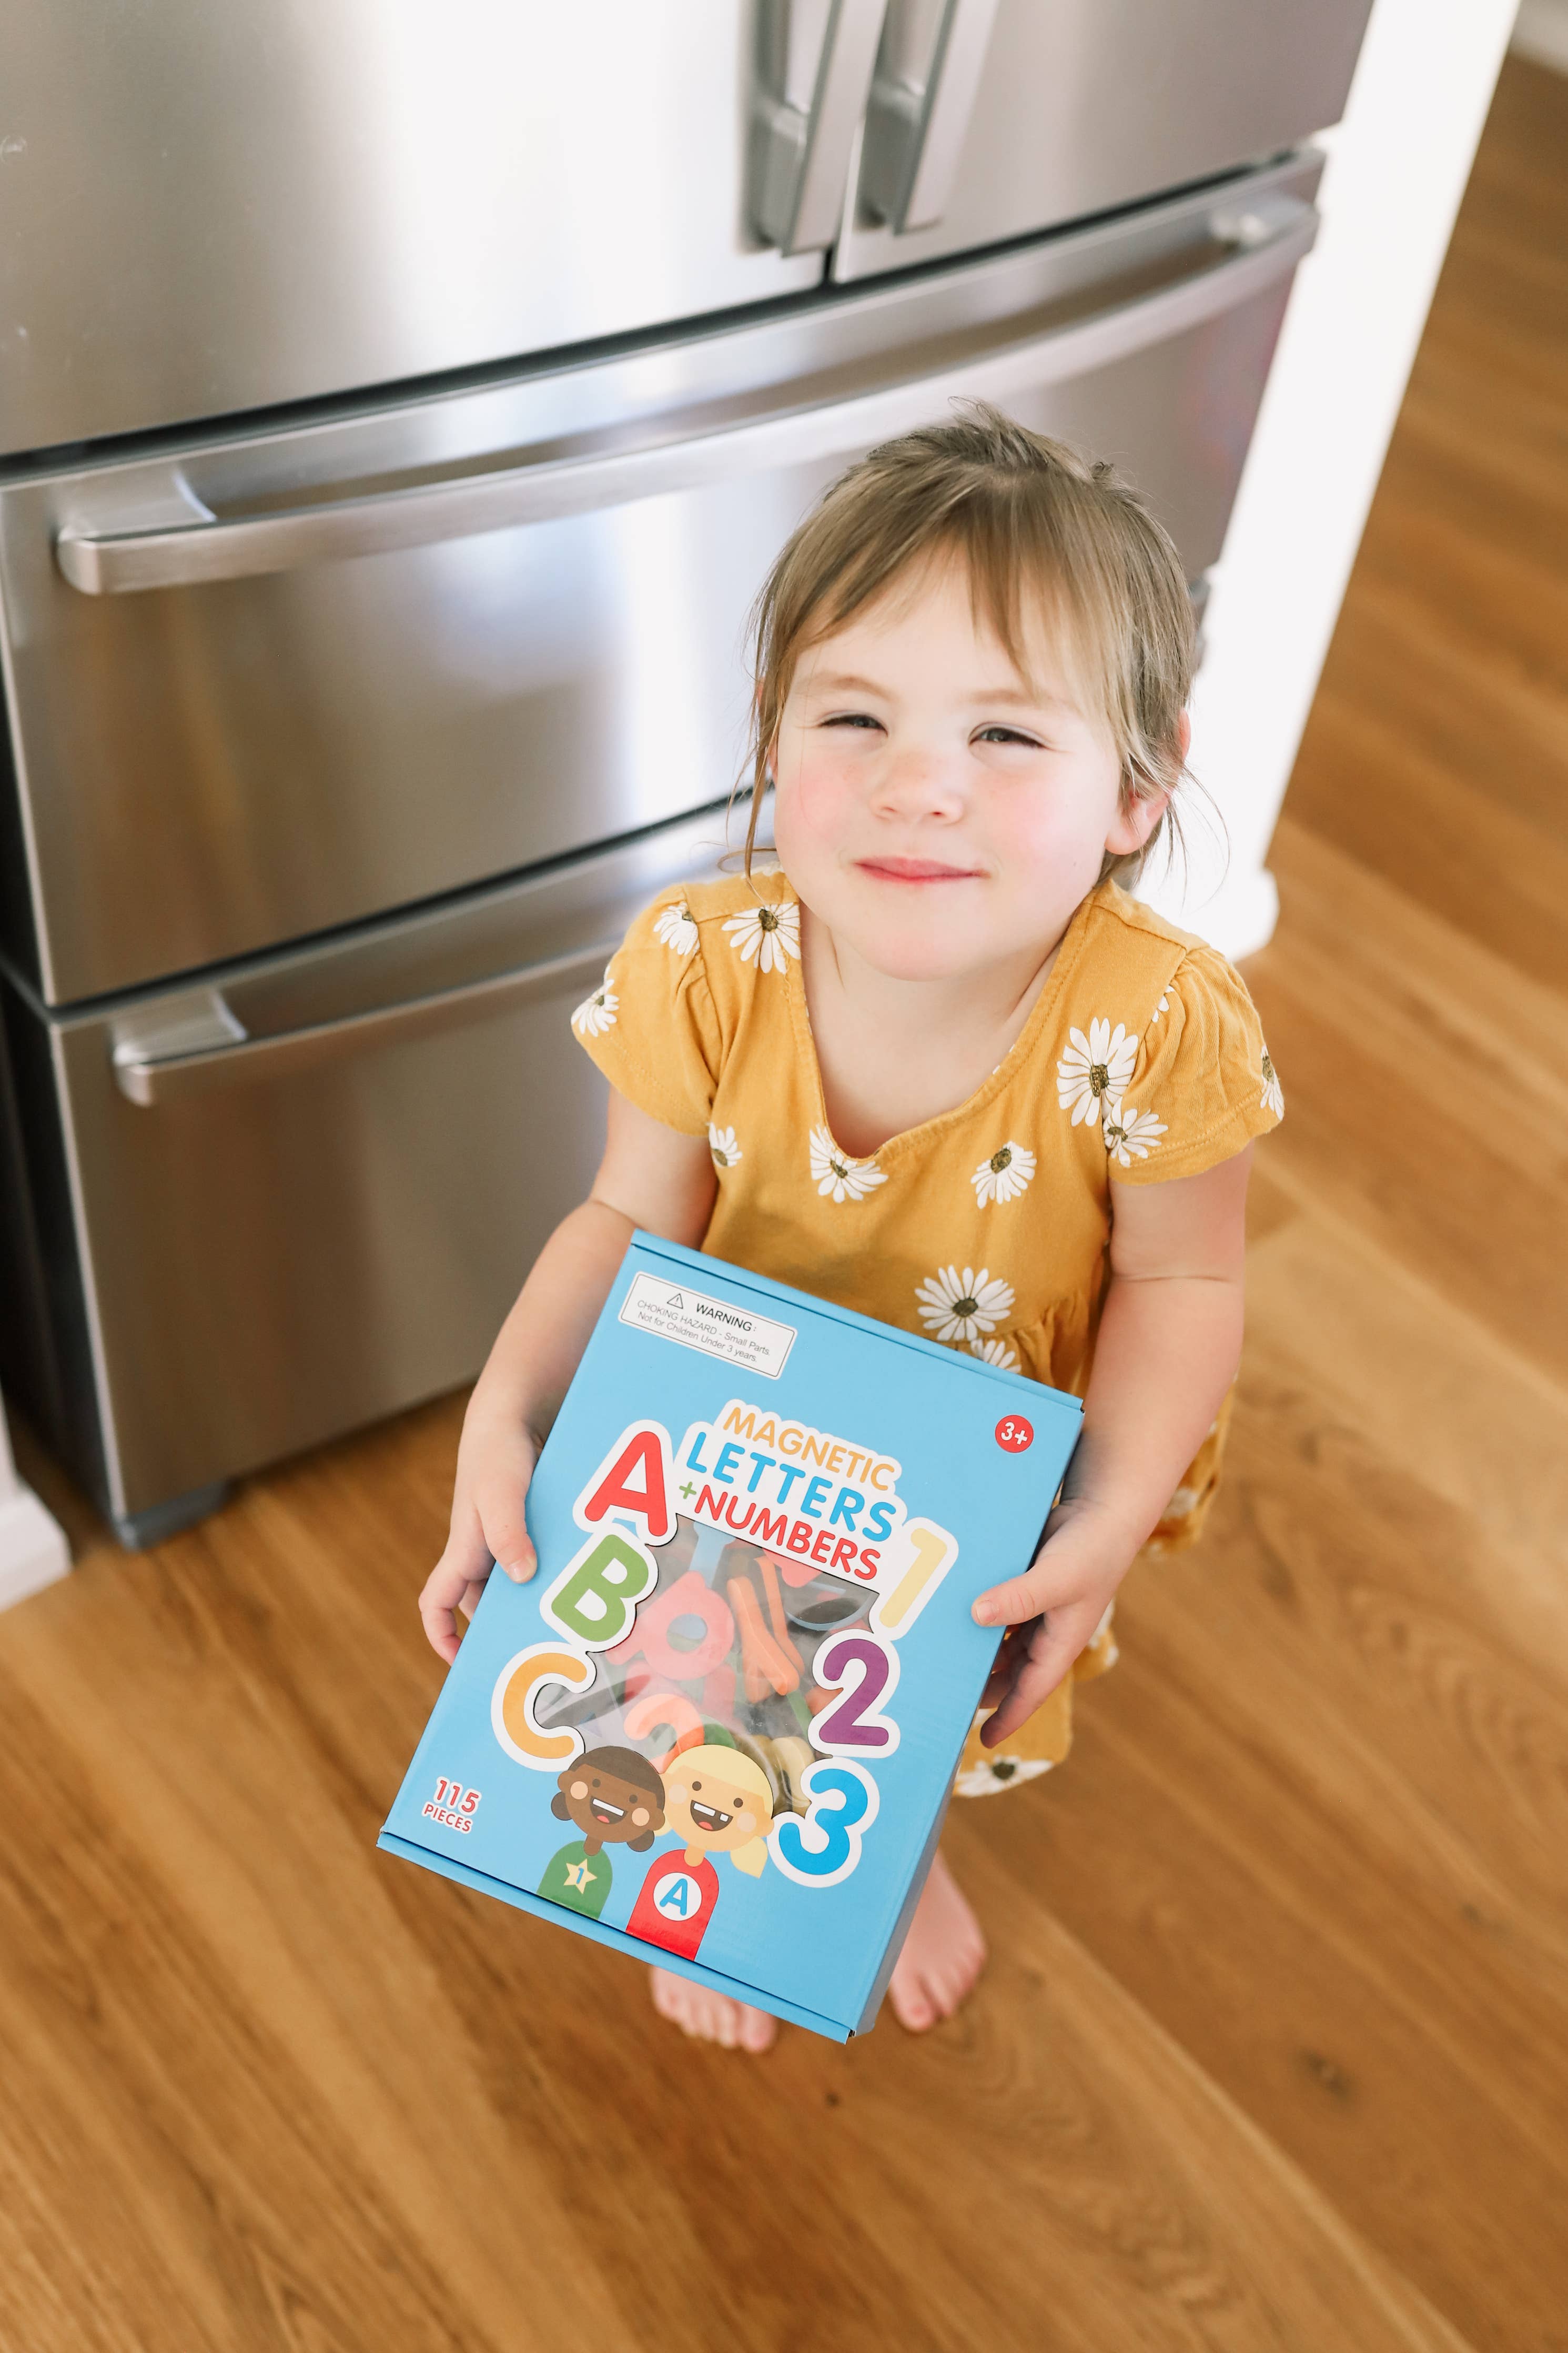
{"points": [[719, 1728]]}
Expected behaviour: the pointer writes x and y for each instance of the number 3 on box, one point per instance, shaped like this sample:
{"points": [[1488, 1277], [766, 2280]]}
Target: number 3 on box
{"points": [[825, 1847]]}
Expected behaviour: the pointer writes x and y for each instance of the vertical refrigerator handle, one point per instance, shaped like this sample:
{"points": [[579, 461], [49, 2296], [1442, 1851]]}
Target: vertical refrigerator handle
{"points": [[915, 129], [817, 62]]}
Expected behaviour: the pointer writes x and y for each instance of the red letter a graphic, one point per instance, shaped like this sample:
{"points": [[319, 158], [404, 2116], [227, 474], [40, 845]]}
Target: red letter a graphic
{"points": [[634, 1477]]}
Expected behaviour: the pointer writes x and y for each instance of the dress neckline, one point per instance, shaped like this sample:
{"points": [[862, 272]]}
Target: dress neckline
{"points": [[1069, 950]]}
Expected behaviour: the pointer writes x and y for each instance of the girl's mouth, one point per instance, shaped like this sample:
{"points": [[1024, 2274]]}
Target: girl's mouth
{"points": [[917, 870], [709, 1818]]}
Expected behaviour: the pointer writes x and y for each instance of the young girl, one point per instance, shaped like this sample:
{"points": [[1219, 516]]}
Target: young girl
{"points": [[934, 1064]]}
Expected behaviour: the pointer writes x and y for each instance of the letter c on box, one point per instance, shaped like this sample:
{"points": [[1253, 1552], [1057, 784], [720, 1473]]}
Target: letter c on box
{"points": [[515, 1697]]}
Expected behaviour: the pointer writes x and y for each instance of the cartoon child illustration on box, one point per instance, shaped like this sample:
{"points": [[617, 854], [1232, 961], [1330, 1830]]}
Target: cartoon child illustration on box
{"points": [[615, 1798], [719, 1801]]}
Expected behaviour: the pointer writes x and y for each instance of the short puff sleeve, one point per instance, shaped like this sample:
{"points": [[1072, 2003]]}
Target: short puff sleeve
{"points": [[1203, 1085], [650, 1025]]}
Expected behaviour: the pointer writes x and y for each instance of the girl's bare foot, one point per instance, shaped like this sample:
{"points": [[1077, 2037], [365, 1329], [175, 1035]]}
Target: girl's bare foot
{"points": [[944, 1954], [711, 2017]]}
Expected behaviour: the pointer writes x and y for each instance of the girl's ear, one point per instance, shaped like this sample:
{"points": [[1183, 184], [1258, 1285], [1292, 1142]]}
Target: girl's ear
{"points": [[1134, 823]]}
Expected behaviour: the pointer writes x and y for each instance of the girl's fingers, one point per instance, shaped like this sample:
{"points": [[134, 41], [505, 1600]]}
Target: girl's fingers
{"points": [[505, 1529], [1040, 1667], [436, 1603], [461, 1570], [1009, 1604], [1004, 1666], [1055, 1579]]}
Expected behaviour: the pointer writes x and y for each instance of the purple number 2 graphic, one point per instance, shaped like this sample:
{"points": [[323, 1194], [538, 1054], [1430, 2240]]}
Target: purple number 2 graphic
{"points": [[853, 1723]]}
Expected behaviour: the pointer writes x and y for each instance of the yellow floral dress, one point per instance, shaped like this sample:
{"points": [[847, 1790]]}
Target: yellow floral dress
{"points": [[986, 1227]]}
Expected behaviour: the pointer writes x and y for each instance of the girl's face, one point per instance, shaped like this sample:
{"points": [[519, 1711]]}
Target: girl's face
{"points": [[935, 810]]}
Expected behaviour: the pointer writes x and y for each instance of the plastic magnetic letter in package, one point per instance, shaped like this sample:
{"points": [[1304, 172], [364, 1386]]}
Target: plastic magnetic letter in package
{"points": [[718, 1728]]}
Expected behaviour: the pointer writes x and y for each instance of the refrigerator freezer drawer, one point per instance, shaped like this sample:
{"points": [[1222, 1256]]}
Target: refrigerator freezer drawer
{"points": [[267, 685], [305, 1195]]}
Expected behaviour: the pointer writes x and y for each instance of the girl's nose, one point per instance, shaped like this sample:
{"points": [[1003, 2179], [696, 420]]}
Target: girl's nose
{"points": [[917, 782]]}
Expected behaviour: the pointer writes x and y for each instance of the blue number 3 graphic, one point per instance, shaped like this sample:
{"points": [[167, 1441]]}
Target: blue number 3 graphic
{"points": [[825, 1847]]}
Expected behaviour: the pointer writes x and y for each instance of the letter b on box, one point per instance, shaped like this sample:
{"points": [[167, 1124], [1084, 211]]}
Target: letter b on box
{"points": [[595, 1598]]}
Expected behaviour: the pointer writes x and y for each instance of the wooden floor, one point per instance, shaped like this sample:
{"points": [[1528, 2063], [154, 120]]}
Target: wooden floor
{"points": [[1274, 2051]]}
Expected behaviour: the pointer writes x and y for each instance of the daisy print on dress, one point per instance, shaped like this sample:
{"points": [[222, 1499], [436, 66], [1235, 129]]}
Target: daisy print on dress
{"points": [[837, 1175], [771, 935], [1005, 1175], [597, 1013], [1272, 1098], [961, 1306], [676, 926], [995, 1352], [1130, 1135], [998, 1773], [722, 1144], [1164, 1007], [1095, 1069]]}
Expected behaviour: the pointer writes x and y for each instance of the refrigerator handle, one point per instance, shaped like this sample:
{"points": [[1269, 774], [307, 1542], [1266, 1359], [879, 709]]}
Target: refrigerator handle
{"points": [[915, 131], [153, 1066], [1244, 255], [806, 115], [194, 1040]]}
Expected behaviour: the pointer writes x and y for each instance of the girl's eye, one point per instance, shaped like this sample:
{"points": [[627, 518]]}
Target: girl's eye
{"points": [[851, 719], [1007, 735]]}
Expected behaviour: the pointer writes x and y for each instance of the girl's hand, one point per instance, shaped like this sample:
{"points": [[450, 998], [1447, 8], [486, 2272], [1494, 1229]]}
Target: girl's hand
{"points": [[495, 1464], [1054, 1610], [649, 1176]]}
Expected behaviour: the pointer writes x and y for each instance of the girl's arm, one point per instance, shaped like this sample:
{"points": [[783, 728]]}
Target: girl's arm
{"points": [[1169, 1344], [649, 1176]]}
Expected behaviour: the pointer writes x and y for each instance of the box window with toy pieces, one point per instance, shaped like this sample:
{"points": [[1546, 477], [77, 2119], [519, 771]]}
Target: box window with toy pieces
{"points": [[719, 1728]]}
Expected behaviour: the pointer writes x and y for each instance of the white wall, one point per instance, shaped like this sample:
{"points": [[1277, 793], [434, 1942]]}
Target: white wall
{"points": [[1397, 168]]}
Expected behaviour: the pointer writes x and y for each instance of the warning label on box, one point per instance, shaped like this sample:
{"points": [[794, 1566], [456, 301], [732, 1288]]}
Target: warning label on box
{"points": [[673, 1311]]}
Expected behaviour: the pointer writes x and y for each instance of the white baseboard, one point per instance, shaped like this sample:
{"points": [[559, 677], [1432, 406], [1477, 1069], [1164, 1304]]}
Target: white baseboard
{"points": [[33, 1549], [1540, 32]]}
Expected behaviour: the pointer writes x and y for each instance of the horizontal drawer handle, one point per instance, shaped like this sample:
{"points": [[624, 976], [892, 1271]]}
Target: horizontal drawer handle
{"points": [[1266, 241], [150, 1071]]}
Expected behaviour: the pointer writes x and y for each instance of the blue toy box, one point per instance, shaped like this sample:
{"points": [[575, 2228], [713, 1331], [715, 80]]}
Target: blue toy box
{"points": [[719, 1728]]}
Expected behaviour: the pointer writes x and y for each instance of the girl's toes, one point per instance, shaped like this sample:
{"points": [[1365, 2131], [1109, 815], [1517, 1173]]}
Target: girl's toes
{"points": [[758, 2030], [668, 1989], [711, 2017], [912, 2004]]}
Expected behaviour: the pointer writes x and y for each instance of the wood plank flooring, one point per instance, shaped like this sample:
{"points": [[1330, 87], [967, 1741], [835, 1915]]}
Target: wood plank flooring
{"points": [[1272, 2053]]}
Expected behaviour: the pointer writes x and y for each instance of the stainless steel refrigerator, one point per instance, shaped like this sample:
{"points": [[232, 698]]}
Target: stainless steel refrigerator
{"points": [[398, 408]]}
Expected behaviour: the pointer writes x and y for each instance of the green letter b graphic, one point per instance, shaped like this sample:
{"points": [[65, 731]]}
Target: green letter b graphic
{"points": [[595, 1598]]}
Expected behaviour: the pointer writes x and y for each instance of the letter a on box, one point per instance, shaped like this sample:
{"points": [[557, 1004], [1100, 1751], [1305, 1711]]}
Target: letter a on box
{"points": [[635, 1481]]}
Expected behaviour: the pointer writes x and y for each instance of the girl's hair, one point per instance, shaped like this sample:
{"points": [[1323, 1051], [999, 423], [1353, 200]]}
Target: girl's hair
{"points": [[1044, 535]]}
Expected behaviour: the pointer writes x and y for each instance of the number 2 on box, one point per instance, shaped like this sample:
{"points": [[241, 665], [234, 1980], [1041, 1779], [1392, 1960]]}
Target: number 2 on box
{"points": [[866, 1671]]}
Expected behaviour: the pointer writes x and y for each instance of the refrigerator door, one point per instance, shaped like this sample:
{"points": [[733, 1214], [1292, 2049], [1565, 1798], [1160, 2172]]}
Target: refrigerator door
{"points": [[264, 685], [996, 119], [214, 209], [303, 1196]]}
